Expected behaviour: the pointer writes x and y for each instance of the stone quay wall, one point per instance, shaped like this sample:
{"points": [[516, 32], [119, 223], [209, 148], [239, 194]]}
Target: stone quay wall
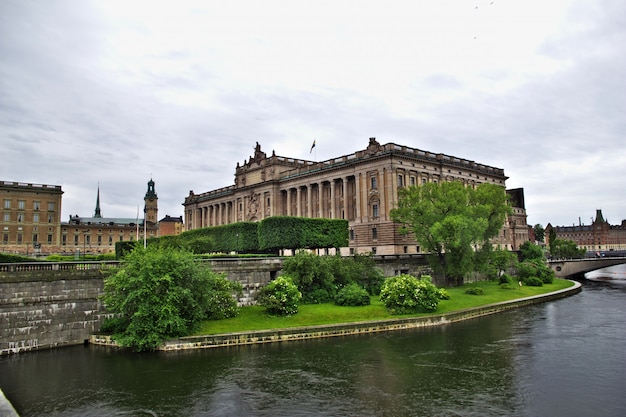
{"points": [[45, 304], [49, 308]]}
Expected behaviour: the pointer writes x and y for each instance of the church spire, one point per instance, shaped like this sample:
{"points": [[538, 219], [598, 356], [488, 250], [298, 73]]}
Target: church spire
{"points": [[97, 214]]}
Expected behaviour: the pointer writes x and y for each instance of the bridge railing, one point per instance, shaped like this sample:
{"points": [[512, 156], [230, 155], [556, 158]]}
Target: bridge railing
{"points": [[58, 266]]}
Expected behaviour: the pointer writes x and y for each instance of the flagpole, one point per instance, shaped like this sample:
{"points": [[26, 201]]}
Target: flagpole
{"points": [[137, 224]]}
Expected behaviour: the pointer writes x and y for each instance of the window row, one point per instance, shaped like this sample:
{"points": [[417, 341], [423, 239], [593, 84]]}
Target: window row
{"points": [[21, 204], [21, 217]]}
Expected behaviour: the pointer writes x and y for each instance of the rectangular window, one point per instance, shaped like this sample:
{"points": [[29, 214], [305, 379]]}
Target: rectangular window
{"points": [[6, 217], [351, 234], [50, 218], [374, 210], [7, 204], [21, 204], [35, 217], [36, 205], [75, 240], [49, 239], [412, 180], [110, 240], [99, 240], [400, 180], [35, 237], [373, 182], [5, 238], [19, 238], [374, 233], [64, 240], [20, 217], [51, 206], [88, 239]]}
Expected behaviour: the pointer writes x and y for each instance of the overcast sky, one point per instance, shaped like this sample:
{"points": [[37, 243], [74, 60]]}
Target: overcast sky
{"points": [[116, 92]]}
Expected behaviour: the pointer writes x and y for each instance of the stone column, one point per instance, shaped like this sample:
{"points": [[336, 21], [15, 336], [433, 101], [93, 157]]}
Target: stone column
{"points": [[308, 201], [333, 203], [344, 191], [357, 191], [298, 201], [288, 201]]}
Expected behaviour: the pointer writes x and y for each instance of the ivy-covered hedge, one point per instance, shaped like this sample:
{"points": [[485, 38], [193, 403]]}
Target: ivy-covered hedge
{"points": [[267, 236], [9, 258], [285, 232]]}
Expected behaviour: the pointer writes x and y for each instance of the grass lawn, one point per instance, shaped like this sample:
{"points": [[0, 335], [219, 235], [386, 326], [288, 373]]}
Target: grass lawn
{"points": [[255, 317]]}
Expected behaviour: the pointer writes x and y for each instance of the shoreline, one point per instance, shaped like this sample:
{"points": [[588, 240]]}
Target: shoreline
{"points": [[346, 329]]}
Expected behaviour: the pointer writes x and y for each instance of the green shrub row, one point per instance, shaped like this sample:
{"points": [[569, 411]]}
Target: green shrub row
{"points": [[267, 236]]}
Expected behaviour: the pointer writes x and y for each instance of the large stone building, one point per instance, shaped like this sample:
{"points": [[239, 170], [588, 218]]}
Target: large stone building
{"points": [[31, 217], [599, 236], [361, 187]]}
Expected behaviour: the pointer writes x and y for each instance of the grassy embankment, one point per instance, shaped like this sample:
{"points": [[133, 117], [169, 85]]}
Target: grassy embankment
{"points": [[255, 318]]}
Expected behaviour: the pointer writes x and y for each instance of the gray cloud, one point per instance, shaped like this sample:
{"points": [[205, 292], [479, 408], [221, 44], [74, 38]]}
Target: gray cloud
{"points": [[91, 93]]}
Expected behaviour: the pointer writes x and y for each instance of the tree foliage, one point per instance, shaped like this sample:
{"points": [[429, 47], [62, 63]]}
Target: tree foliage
{"points": [[540, 232], [530, 251], [565, 249], [319, 278], [451, 221], [162, 293]]}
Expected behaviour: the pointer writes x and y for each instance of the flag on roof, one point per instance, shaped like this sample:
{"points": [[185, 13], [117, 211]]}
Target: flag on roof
{"points": [[312, 146]]}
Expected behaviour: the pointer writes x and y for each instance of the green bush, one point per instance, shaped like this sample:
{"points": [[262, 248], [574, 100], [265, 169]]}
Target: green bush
{"points": [[533, 282], [163, 293], [352, 295], [313, 275], [475, 291], [8, 258], [535, 268], [280, 297], [403, 294], [506, 279]]}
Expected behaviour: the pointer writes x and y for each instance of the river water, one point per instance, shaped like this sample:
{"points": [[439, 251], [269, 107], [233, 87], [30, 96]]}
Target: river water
{"points": [[562, 358]]}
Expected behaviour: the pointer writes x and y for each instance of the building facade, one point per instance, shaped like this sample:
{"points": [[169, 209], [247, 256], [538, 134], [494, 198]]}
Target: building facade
{"points": [[98, 234], [361, 187], [31, 217], [170, 225], [599, 236]]}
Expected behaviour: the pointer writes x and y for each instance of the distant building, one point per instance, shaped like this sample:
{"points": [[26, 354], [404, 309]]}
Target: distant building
{"points": [[599, 236], [171, 226], [98, 234], [31, 223], [361, 187], [31, 217]]}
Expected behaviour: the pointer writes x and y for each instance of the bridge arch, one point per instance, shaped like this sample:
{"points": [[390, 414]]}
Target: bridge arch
{"points": [[568, 267]]}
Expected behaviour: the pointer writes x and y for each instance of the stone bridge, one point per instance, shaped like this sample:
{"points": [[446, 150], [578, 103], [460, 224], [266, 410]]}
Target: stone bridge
{"points": [[577, 267]]}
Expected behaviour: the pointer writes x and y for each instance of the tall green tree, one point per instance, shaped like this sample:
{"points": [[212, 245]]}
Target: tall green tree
{"points": [[452, 221], [540, 232], [162, 293], [565, 249]]}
